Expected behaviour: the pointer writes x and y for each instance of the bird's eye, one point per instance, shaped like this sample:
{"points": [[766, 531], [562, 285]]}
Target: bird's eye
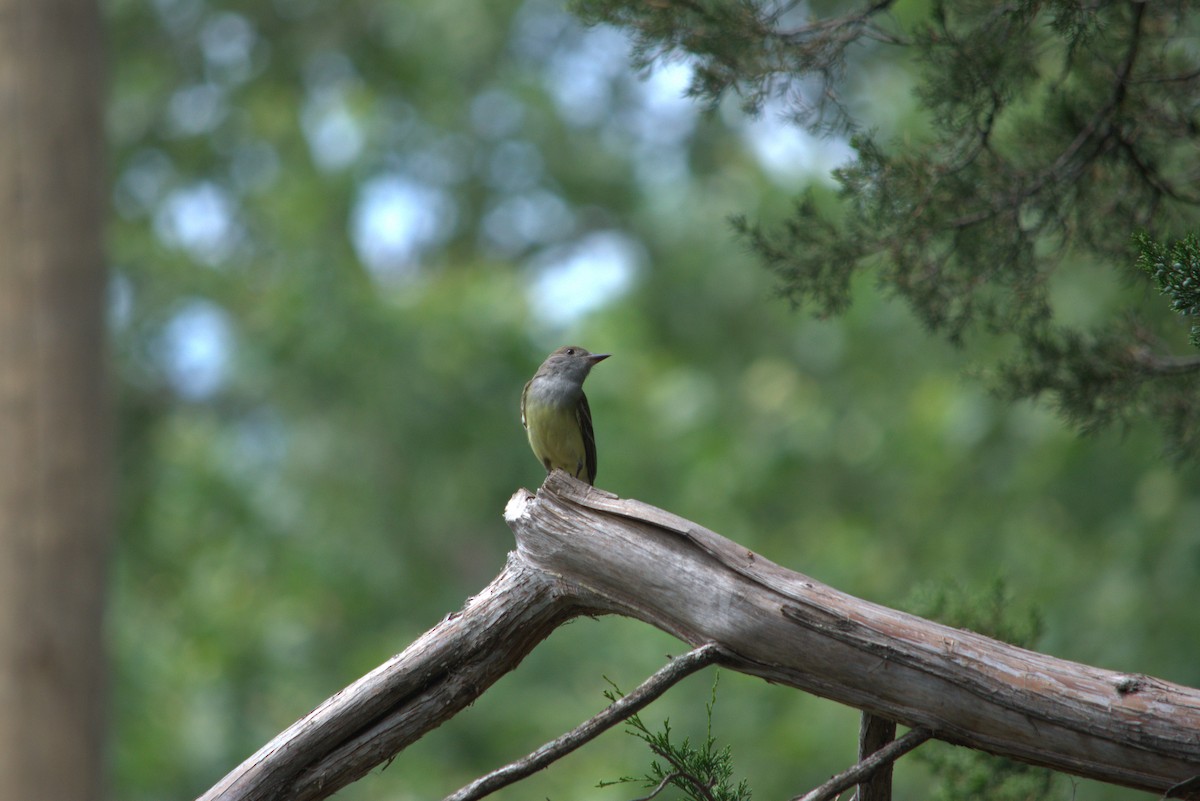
{"points": [[570, 351]]}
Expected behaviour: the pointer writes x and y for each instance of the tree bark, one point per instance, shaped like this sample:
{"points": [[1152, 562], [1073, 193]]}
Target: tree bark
{"points": [[54, 443], [787, 628], [873, 734], [581, 550], [412, 693]]}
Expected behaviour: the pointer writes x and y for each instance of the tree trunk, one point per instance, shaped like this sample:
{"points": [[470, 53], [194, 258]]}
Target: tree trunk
{"points": [[583, 551], [54, 439]]}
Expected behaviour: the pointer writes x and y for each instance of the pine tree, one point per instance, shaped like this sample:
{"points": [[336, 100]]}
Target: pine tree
{"points": [[1060, 143]]}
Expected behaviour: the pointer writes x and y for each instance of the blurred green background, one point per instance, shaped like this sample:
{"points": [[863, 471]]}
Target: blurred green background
{"points": [[344, 236]]}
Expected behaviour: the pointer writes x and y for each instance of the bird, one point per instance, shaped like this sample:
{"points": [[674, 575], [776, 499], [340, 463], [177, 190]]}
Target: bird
{"points": [[556, 416]]}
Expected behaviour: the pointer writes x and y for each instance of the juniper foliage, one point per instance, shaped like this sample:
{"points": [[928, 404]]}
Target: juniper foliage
{"points": [[1051, 132], [697, 773]]}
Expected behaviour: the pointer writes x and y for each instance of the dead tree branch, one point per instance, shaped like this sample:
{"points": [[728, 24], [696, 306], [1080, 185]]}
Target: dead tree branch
{"points": [[864, 769], [377, 716], [874, 733], [581, 550], [653, 687]]}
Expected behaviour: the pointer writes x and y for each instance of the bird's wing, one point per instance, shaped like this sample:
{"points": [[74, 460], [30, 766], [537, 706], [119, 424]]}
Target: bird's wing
{"points": [[583, 414], [524, 393]]}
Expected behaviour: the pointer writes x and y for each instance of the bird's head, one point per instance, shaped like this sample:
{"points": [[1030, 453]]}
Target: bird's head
{"points": [[572, 361]]}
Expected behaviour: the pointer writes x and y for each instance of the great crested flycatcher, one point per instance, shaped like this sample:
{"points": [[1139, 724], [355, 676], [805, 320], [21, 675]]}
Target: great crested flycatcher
{"points": [[556, 416]]}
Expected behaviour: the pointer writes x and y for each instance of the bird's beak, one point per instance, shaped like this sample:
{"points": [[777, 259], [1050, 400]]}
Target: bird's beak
{"points": [[598, 357]]}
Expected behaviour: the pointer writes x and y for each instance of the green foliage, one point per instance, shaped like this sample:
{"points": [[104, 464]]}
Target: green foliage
{"points": [[1049, 133], [828, 284], [699, 773], [1092, 378], [966, 775], [760, 51], [1175, 269], [1112, 375]]}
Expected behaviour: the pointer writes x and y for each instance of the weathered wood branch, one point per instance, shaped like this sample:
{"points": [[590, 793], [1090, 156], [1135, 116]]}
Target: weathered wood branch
{"points": [[583, 551], [868, 766], [968, 689], [615, 713], [875, 733], [376, 717]]}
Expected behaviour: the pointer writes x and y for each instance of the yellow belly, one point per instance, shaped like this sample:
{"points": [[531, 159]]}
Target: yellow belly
{"points": [[556, 440]]}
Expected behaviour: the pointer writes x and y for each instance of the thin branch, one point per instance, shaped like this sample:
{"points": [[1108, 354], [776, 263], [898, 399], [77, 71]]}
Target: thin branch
{"points": [[1151, 175], [1157, 365], [863, 770], [660, 787], [1181, 78], [1188, 788], [701, 788], [619, 710], [845, 29]]}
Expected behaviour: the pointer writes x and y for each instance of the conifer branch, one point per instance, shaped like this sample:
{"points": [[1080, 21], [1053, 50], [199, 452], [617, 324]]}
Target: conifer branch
{"points": [[1158, 365]]}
